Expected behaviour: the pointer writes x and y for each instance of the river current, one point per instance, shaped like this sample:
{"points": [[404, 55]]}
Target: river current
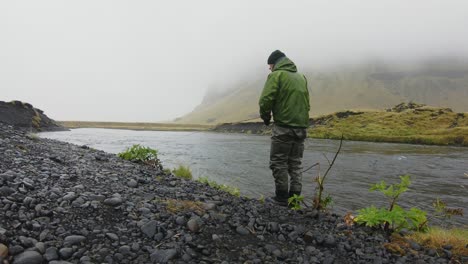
{"points": [[241, 160]]}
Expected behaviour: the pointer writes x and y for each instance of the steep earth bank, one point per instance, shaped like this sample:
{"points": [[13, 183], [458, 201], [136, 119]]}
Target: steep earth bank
{"points": [[24, 115]]}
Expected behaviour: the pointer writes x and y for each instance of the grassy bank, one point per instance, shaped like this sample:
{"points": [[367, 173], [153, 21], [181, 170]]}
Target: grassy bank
{"points": [[420, 125], [135, 126]]}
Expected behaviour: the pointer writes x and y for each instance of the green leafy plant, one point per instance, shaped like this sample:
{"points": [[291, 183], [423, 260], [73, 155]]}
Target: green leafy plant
{"points": [[294, 202], [395, 217], [225, 188], [140, 154], [183, 172]]}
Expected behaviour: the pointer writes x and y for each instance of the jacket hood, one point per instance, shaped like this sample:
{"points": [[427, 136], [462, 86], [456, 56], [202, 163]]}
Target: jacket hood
{"points": [[285, 64]]}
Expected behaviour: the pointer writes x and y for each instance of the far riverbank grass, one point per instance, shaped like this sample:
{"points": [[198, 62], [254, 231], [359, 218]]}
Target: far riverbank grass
{"points": [[135, 126], [430, 126]]}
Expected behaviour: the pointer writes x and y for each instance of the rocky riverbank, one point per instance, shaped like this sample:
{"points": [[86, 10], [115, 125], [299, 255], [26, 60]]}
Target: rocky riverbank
{"points": [[63, 203]]}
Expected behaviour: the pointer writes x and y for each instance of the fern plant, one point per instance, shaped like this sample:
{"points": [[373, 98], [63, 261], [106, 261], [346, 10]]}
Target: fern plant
{"points": [[394, 217]]}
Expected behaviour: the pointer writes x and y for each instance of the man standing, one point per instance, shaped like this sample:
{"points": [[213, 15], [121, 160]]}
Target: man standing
{"points": [[286, 96]]}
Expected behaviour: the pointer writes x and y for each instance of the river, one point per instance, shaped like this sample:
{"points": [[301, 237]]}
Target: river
{"points": [[241, 160]]}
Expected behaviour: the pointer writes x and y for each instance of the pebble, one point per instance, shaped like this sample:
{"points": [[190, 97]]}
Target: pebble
{"points": [[28, 257], [51, 254], [149, 229], [112, 236], [163, 256], [242, 230], [66, 253], [73, 240], [193, 225], [114, 201]]}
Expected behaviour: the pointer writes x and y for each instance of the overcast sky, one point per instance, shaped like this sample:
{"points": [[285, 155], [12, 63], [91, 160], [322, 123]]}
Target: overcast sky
{"points": [[154, 60]]}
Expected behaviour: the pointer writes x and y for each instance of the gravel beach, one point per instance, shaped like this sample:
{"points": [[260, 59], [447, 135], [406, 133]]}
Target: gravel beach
{"points": [[63, 203]]}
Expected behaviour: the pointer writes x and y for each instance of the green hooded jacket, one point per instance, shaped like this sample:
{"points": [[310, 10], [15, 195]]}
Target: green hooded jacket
{"points": [[286, 95]]}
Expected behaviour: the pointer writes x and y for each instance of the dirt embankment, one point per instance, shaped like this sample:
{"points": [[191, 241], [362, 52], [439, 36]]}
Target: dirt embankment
{"points": [[24, 115]]}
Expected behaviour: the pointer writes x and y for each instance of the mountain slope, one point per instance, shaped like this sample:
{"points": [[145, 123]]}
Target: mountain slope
{"points": [[440, 83]]}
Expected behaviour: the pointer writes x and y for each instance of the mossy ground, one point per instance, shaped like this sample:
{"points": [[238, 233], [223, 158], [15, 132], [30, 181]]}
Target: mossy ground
{"points": [[425, 125]]}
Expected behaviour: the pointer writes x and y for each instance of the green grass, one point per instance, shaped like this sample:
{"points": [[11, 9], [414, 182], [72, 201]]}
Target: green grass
{"points": [[425, 125], [225, 188], [183, 172]]}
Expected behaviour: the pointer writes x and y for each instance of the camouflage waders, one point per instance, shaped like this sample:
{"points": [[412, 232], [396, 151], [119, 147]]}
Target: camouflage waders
{"points": [[287, 148]]}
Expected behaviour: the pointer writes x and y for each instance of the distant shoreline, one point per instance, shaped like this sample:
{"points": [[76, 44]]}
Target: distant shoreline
{"points": [[143, 126]]}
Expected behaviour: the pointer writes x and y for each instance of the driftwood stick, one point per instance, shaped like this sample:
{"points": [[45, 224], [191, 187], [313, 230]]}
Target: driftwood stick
{"points": [[321, 181]]}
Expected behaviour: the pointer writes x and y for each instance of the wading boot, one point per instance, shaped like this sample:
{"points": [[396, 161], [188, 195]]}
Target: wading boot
{"points": [[292, 193], [281, 198]]}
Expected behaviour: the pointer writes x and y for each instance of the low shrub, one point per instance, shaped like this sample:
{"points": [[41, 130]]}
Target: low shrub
{"points": [[140, 154], [294, 202]]}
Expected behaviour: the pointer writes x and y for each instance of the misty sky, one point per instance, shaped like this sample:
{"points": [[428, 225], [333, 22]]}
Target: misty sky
{"points": [[154, 60]]}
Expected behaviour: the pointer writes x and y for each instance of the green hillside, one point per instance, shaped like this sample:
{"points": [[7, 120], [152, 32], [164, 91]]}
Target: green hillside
{"points": [[440, 83], [405, 123]]}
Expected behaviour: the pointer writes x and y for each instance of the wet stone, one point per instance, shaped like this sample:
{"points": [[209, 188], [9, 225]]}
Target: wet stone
{"points": [[149, 229], [28, 257], [242, 230], [66, 253], [163, 256], [73, 240], [51, 254]]}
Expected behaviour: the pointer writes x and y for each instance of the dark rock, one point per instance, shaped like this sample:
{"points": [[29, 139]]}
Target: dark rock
{"points": [[194, 225], [6, 191], [242, 230], [28, 257], [132, 183], [16, 249], [73, 240], [415, 245], [112, 236], [329, 241], [125, 250], [114, 201], [163, 256], [149, 229], [448, 253], [51, 254], [447, 247], [66, 253]]}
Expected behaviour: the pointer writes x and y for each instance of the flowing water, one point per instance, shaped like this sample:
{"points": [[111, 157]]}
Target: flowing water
{"points": [[242, 161]]}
